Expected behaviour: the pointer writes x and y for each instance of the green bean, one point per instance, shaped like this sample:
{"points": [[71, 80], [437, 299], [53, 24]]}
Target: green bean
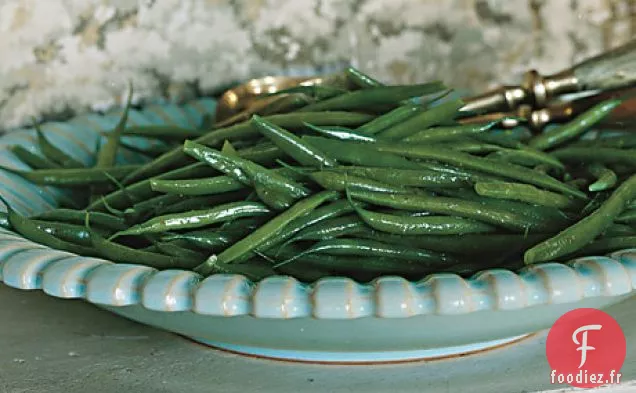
{"points": [[142, 190], [522, 192], [54, 154], [527, 157], [446, 133], [390, 119], [433, 225], [244, 170], [574, 128], [408, 177], [619, 230], [265, 232], [470, 146], [77, 217], [341, 133], [247, 130], [107, 154], [31, 159], [361, 79], [338, 181], [425, 119], [263, 153], [587, 229], [205, 186], [209, 239], [303, 272], [618, 142], [331, 228], [372, 248], [374, 96], [628, 216], [484, 212], [605, 246], [363, 268], [30, 230], [320, 214], [319, 92], [143, 210], [120, 253], [4, 221], [605, 178], [77, 177], [163, 132], [254, 271], [71, 233], [602, 155], [202, 202], [174, 249], [304, 153], [271, 195], [228, 149], [481, 164], [471, 243], [363, 154]]}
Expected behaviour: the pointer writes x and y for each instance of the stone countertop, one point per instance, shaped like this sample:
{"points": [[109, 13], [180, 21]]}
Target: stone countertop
{"points": [[52, 345], [64, 56]]}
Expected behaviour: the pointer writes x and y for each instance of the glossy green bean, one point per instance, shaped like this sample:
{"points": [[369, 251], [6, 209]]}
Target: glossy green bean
{"points": [[55, 154], [247, 130], [301, 151], [523, 193], [527, 157], [605, 246], [244, 170], [319, 92], [31, 159], [205, 186], [481, 164], [431, 225], [605, 178], [341, 133], [390, 119], [425, 119], [77, 177], [30, 230], [373, 248], [361, 79], [602, 155], [331, 228], [120, 253], [77, 217], [339, 181], [628, 216], [262, 153], [409, 177], [363, 154], [315, 217], [574, 128], [486, 213], [265, 232], [374, 96], [142, 190], [449, 133], [108, 152], [585, 230]]}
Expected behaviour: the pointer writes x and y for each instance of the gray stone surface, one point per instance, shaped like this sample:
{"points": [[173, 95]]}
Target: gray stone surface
{"points": [[62, 56], [52, 345]]}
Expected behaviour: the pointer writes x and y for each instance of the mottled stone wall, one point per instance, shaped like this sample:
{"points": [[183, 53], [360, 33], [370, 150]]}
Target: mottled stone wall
{"points": [[62, 56]]}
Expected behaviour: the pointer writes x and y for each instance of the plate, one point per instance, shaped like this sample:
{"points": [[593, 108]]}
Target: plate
{"points": [[334, 320]]}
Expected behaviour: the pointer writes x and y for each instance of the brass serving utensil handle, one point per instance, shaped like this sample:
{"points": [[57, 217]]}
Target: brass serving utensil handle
{"points": [[610, 70], [537, 119]]}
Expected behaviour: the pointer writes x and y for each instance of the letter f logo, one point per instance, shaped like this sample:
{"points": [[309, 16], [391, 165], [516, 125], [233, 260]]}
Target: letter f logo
{"points": [[583, 344]]}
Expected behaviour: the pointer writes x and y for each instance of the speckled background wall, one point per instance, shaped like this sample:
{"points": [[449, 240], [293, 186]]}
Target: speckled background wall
{"points": [[62, 56]]}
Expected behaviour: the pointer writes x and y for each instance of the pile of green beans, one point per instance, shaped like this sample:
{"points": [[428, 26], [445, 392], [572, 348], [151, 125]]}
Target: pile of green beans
{"points": [[357, 179]]}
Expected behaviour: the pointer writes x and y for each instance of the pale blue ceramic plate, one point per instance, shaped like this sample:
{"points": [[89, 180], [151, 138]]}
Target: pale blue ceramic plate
{"points": [[332, 320]]}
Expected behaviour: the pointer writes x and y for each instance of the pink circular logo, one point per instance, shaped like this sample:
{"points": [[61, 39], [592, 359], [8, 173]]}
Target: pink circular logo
{"points": [[586, 348]]}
